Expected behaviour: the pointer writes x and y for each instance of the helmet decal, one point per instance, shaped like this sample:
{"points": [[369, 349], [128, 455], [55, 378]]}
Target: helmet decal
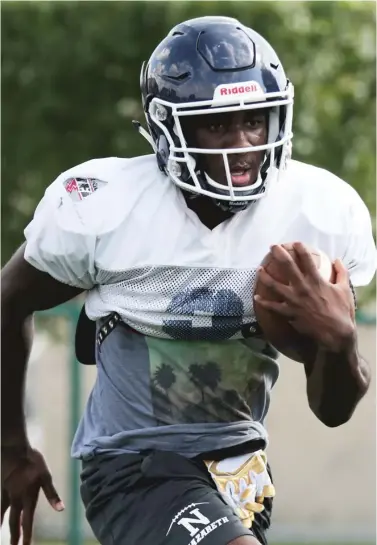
{"points": [[248, 90]]}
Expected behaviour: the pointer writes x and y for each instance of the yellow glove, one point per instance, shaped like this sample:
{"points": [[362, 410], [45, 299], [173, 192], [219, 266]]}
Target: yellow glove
{"points": [[244, 482]]}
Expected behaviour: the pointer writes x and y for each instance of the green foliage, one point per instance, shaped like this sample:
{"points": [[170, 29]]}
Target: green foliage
{"points": [[70, 86]]}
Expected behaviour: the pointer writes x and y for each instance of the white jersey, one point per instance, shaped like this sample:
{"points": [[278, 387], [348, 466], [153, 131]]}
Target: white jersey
{"points": [[183, 373], [136, 245]]}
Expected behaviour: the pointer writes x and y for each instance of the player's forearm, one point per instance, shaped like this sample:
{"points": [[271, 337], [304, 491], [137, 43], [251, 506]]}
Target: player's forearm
{"points": [[336, 383], [16, 341]]}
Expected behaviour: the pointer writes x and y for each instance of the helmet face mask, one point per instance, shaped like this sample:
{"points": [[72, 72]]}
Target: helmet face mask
{"points": [[169, 99]]}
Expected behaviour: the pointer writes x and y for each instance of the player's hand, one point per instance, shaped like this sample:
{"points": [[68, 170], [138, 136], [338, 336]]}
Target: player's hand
{"points": [[316, 308], [23, 474]]}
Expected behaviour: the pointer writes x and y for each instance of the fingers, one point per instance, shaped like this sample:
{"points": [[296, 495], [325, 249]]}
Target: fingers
{"points": [[287, 264], [306, 261], [51, 493], [28, 518], [341, 272], [275, 306], [267, 280], [15, 522], [291, 293], [5, 503]]}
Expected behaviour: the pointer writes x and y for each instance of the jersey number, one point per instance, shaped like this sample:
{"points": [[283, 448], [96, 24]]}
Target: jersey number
{"points": [[207, 314]]}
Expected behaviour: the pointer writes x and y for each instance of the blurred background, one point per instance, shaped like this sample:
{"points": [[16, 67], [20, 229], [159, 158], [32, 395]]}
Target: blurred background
{"points": [[70, 88]]}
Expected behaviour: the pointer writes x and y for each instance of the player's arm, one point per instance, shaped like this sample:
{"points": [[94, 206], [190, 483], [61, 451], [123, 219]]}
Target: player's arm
{"points": [[57, 262], [337, 380], [337, 377], [24, 290]]}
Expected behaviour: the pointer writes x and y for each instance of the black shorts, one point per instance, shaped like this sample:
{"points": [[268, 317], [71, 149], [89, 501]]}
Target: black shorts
{"points": [[160, 498]]}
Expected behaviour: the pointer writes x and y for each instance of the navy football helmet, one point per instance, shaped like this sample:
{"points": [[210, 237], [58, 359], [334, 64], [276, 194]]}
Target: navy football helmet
{"points": [[215, 64]]}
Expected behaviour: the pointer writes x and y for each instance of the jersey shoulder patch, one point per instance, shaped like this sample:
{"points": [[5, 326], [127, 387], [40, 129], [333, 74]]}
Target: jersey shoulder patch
{"points": [[81, 181], [81, 188]]}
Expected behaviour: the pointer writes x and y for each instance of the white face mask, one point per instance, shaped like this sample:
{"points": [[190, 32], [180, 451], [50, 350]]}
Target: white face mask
{"points": [[225, 100]]}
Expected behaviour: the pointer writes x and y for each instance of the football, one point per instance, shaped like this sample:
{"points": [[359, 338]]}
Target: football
{"points": [[276, 329]]}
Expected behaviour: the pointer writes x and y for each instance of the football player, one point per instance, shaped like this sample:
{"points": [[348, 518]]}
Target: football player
{"points": [[167, 248]]}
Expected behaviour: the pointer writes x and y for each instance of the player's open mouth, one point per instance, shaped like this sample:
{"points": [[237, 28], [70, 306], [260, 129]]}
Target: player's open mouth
{"points": [[241, 177]]}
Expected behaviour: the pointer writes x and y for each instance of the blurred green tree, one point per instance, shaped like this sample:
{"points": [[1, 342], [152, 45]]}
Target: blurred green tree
{"points": [[70, 86]]}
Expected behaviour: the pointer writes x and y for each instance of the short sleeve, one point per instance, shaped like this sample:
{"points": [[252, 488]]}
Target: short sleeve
{"points": [[58, 240], [360, 255]]}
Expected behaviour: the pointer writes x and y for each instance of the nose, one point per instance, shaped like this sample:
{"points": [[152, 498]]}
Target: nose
{"points": [[238, 138]]}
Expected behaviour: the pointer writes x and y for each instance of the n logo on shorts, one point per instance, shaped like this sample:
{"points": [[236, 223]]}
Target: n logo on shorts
{"points": [[197, 525], [187, 521], [197, 518]]}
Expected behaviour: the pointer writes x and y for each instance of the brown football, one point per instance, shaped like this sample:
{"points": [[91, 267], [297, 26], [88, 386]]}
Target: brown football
{"points": [[276, 329]]}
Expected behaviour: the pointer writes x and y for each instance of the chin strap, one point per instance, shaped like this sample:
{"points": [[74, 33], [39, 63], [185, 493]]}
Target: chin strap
{"points": [[232, 206], [140, 129]]}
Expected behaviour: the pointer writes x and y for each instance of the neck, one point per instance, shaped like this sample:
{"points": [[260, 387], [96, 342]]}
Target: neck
{"points": [[207, 211]]}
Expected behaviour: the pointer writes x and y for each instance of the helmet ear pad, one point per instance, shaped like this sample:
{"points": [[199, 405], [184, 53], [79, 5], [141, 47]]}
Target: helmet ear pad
{"points": [[162, 152], [189, 136]]}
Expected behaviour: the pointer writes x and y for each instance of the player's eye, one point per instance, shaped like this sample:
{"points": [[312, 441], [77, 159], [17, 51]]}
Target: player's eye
{"points": [[255, 122]]}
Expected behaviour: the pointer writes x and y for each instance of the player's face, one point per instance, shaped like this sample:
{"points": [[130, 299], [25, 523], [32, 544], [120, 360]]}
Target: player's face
{"points": [[231, 130]]}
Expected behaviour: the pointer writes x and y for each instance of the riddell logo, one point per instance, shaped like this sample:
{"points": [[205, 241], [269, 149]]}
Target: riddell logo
{"points": [[237, 90], [248, 89]]}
